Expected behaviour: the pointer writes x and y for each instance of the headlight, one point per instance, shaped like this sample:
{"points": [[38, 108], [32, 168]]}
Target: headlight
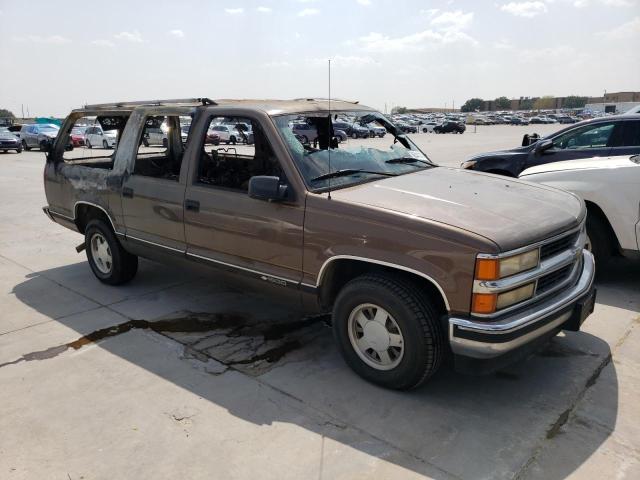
{"points": [[488, 269], [486, 303], [496, 268], [468, 164], [514, 296]]}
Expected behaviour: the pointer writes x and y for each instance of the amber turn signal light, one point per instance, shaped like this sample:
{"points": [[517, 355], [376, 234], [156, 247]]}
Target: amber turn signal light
{"points": [[484, 303], [487, 269]]}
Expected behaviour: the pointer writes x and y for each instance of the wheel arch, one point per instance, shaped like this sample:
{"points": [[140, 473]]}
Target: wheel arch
{"points": [[337, 271], [595, 210], [85, 211]]}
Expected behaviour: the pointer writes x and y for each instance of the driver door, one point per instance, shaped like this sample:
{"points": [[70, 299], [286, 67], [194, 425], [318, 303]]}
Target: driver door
{"points": [[227, 228]]}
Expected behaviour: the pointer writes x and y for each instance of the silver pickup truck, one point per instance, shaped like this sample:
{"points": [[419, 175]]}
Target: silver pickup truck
{"points": [[415, 262]]}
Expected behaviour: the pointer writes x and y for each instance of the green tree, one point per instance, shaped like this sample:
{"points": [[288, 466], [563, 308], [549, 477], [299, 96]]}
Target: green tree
{"points": [[399, 110], [574, 101], [545, 103], [6, 113], [472, 105], [526, 103], [502, 103]]}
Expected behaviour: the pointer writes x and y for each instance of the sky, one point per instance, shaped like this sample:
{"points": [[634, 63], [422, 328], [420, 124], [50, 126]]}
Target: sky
{"points": [[60, 55]]}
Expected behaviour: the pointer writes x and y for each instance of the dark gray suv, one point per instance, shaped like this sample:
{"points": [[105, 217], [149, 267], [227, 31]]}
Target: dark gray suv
{"points": [[34, 135]]}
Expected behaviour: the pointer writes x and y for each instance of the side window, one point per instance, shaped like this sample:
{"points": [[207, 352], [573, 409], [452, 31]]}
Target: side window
{"points": [[161, 146], [591, 136], [231, 155], [630, 134], [93, 140]]}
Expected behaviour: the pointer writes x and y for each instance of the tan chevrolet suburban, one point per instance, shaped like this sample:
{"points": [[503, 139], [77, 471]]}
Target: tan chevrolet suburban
{"points": [[417, 263]]}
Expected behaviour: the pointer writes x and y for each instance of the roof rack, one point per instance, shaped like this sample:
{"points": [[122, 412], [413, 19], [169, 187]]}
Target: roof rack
{"points": [[153, 103], [315, 99]]}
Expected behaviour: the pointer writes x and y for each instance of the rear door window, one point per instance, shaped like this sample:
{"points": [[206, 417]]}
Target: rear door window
{"points": [[590, 136]]}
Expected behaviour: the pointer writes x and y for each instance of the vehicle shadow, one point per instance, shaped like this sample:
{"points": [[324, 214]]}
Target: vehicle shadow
{"points": [[613, 281], [470, 427]]}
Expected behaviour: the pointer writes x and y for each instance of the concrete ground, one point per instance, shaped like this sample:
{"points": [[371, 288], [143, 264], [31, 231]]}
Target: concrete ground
{"points": [[178, 375]]}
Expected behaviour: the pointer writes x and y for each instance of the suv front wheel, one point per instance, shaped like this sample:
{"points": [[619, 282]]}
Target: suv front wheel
{"points": [[388, 331], [110, 263]]}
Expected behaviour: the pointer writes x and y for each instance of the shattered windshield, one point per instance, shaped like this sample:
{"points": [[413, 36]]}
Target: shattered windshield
{"points": [[346, 148]]}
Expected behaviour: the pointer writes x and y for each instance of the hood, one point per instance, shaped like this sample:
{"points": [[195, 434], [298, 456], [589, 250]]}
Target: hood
{"points": [[8, 136], [502, 153], [511, 213], [581, 164], [109, 133]]}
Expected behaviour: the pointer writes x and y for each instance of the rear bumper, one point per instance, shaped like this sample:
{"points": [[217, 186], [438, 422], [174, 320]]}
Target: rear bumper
{"points": [[478, 340]]}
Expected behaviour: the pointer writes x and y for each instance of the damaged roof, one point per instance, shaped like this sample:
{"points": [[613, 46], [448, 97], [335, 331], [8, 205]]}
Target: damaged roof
{"points": [[270, 106]]}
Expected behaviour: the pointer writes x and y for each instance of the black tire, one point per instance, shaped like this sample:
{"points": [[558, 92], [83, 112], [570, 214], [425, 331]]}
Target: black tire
{"points": [[88, 143], [105, 144], [18, 150], [25, 146], [601, 243], [354, 135], [165, 143], [124, 265], [232, 139], [416, 318], [145, 142]]}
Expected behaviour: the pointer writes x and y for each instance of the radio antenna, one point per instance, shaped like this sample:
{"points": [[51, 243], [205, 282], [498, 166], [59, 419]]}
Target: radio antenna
{"points": [[330, 128]]}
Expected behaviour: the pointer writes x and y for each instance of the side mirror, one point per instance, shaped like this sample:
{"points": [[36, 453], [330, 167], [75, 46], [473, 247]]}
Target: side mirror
{"points": [[267, 188], [543, 145], [45, 146]]}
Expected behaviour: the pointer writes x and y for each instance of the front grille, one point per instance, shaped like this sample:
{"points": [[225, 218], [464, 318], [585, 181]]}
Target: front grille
{"points": [[550, 280], [557, 246]]}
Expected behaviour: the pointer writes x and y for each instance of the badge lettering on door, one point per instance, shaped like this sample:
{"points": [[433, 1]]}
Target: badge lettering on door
{"points": [[277, 281]]}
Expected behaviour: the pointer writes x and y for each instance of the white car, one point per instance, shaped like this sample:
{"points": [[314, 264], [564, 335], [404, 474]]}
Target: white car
{"points": [[429, 126], [94, 136], [610, 186], [227, 133]]}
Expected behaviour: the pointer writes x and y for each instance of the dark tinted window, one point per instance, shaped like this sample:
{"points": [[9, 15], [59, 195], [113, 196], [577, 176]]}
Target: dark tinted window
{"points": [[631, 134]]}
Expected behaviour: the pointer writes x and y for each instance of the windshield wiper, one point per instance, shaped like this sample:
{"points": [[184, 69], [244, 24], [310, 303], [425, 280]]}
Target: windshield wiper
{"points": [[407, 160], [349, 171]]}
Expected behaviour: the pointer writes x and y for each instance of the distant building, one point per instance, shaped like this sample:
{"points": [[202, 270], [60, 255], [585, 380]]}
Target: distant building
{"points": [[617, 102]]}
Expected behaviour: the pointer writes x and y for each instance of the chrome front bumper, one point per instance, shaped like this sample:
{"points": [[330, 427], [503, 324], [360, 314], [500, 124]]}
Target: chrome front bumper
{"points": [[489, 339]]}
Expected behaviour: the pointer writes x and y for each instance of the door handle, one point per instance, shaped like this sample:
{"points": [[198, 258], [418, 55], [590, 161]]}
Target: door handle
{"points": [[127, 192], [192, 205]]}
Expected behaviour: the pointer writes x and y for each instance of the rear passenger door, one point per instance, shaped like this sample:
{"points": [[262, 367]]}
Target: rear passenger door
{"points": [[153, 194], [225, 227]]}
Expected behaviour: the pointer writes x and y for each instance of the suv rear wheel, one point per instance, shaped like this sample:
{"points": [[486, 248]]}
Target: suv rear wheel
{"points": [[25, 146], [388, 331], [110, 263]]}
